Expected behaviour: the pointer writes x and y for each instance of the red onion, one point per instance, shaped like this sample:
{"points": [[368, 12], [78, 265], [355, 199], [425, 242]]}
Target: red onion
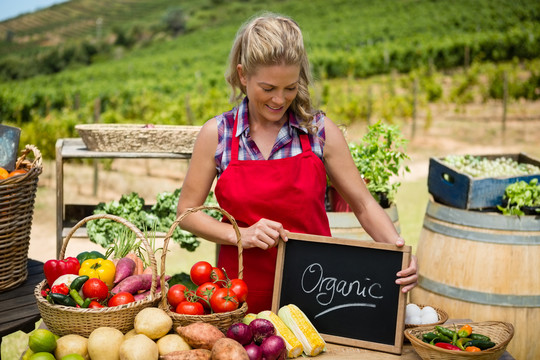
{"points": [[261, 329], [273, 348], [240, 332], [254, 351]]}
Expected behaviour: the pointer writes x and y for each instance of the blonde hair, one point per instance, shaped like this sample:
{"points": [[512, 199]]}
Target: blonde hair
{"points": [[271, 39]]}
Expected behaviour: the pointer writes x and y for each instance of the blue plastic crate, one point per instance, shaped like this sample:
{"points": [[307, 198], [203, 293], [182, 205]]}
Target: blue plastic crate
{"points": [[453, 188]]}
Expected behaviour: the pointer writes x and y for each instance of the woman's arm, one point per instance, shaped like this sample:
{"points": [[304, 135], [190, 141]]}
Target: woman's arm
{"points": [[345, 177]]}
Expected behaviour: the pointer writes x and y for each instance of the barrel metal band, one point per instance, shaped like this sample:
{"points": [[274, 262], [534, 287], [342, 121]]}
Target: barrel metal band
{"points": [[477, 296], [470, 234]]}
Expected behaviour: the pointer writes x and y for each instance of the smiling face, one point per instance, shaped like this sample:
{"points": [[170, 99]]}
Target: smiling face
{"points": [[270, 90]]}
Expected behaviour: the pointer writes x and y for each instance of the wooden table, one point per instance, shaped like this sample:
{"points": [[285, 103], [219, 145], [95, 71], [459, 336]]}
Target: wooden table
{"points": [[18, 307]]}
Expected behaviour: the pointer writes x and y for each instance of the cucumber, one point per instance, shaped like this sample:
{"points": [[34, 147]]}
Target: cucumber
{"points": [[62, 299], [481, 344], [479, 337], [78, 282]]}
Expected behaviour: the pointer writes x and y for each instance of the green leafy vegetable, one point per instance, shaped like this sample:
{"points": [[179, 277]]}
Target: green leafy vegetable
{"points": [[159, 218], [519, 195], [378, 157]]}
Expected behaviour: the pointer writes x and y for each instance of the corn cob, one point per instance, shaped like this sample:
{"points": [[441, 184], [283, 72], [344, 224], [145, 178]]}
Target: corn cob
{"points": [[294, 346], [249, 318], [304, 330]]}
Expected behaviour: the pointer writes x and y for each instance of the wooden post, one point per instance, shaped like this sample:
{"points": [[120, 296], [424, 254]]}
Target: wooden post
{"points": [[505, 104], [415, 105], [97, 115]]}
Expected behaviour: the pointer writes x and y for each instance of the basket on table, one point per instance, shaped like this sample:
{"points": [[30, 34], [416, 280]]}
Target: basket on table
{"points": [[221, 320], [443, 317], [500, 333], [138, 137], [17, 196], [63, 320]]}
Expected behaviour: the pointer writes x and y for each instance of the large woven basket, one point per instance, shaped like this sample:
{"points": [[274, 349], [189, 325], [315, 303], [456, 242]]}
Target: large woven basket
{"points": [[500, 333], [63, 320], [17, 196], [221, 320], [138, 138]]}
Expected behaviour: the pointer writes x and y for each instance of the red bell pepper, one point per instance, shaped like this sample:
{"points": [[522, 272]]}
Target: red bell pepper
{"points": [[53, 269]]}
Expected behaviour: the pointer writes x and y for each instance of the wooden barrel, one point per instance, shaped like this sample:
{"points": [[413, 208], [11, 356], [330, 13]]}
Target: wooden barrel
{"points": [[346, 225], [483, 266]]}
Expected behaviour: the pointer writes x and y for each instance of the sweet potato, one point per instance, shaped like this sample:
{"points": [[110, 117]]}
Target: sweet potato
{"points": [[124, 267], [194, 354], [229, 349], [200, 335]]}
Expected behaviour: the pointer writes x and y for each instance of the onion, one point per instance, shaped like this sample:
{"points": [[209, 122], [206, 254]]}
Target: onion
{"points": [[261, 329], [240, 332], [273, 348], [254, 351]]}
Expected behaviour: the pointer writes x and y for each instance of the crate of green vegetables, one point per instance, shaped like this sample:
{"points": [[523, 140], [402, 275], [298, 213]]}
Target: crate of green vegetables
{"points": [[476, 182]]}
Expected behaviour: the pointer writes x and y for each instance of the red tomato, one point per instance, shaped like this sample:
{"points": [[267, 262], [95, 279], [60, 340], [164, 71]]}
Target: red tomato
{"points": [[94, 305], [120, 299], [224, 300], [200, 272], [190, 308], [95, 289], [205, 292], [218, 276], [240, 288], [176, 294]]}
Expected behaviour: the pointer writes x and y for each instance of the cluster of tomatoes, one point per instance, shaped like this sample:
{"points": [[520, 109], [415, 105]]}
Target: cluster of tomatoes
{"points": [[215, 292]]}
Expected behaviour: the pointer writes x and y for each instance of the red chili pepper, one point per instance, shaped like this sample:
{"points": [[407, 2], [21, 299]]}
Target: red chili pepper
{"points": [[447, 346], [60, 289], [53, 269]]}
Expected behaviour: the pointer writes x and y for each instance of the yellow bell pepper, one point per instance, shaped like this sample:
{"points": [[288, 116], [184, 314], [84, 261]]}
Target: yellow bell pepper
{"points": [[99, 268]]}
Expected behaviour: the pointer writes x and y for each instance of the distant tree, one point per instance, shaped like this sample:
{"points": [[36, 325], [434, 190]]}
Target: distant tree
{"points": [[175, 21]]}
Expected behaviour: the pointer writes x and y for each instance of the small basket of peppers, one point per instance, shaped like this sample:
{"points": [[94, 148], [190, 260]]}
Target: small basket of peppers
{"points": [[64, 308], [480, 340]]}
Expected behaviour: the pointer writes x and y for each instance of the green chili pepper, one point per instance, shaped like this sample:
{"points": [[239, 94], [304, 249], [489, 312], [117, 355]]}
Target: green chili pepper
{"points": [[427, 337], [75, 296], [445, 331], [474, 336], [460, 343]]}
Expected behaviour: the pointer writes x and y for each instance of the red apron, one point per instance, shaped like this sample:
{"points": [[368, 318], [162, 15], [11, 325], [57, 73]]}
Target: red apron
{"points": [[290, 191]]}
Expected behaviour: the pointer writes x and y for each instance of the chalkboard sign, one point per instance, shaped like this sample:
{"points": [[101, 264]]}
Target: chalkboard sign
{"points": [[346, 288]]}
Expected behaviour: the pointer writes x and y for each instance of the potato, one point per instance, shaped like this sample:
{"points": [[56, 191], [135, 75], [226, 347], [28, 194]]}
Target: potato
{"points": [[104, 343], [195, 354], [129, 334], [139, 347], [71, 344], [153, 322], [200, 335], [170, 343], [229, 349]]}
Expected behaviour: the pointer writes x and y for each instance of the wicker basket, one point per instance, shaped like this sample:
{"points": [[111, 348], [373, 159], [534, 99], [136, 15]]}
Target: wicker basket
{"points": [[63, 320], [138, 138], [443, 316], [222, 320], [17, 196], [500, 333]]}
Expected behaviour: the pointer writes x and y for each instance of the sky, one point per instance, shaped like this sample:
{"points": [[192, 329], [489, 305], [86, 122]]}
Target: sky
{"points": [[12, 8]]}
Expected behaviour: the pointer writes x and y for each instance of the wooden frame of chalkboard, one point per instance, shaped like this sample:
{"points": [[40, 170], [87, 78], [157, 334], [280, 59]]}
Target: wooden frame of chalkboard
{"points": [[345, 287]]}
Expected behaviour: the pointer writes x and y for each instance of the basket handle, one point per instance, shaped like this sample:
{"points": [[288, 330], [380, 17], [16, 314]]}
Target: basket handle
{"points": [[177, 222], [132, 227], [37, 156]]}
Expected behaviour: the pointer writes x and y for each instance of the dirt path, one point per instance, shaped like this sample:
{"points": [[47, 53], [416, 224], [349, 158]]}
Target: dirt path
{"points": [[449, 133]]}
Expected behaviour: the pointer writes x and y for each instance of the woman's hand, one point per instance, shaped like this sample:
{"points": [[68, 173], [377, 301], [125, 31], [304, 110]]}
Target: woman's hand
{"points": [[408, 276], [263, 234]]}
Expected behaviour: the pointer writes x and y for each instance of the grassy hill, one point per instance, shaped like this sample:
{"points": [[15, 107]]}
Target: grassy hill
{"points": [[179, 80]]}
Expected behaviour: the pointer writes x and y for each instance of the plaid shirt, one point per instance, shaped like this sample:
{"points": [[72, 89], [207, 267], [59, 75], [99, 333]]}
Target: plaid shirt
{"points": [[287, 143]]}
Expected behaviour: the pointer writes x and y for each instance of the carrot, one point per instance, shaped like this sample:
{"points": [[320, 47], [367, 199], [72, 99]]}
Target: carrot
{"points": [[148, 270], [139, 265]]}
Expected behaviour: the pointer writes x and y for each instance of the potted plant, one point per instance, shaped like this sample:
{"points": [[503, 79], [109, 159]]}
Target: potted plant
{"points": [[379, 156]]}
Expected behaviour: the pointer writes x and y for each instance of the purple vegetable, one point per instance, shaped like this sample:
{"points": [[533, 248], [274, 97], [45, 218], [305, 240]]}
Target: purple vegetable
{"points": [[240, 332], [135, 283], [254, 352], [273, 348], [261, 329], [124, 268]]}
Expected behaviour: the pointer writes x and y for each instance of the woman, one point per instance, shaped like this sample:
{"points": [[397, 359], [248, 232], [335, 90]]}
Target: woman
{"points": [[271, 155]]}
